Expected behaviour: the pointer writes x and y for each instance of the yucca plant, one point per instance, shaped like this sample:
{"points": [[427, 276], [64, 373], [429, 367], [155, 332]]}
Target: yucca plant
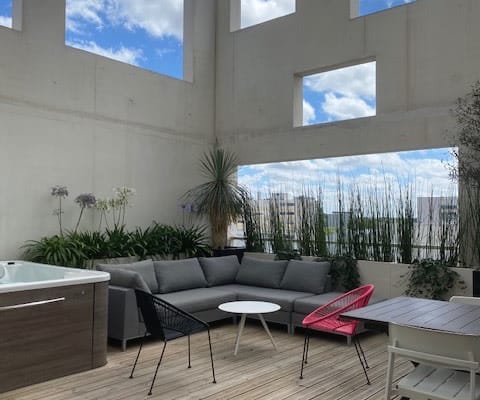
{"points": [[220, 197]]}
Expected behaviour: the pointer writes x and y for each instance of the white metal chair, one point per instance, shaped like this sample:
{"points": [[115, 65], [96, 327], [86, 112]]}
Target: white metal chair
{"points": [[447, 364], [465, 300]]}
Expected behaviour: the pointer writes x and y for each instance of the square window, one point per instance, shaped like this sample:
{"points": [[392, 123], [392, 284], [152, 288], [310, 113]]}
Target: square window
{"points": [[144, 33], [339, 94]]}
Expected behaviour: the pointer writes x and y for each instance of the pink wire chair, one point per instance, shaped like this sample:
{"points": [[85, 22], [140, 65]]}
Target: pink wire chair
{"points": [[327, 319]]}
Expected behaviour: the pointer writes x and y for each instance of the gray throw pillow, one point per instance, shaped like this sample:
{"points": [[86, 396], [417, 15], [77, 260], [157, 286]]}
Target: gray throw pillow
{"points": [[173, 276], [306, 276], [262, 273], [125, 278], [220, 270], [144, 268]]}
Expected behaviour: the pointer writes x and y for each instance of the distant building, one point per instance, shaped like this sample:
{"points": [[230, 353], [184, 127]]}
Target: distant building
{"points": [[437, 210]]}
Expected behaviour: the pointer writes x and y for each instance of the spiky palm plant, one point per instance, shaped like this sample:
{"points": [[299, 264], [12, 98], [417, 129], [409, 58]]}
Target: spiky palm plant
{"points": [[220, 197]]}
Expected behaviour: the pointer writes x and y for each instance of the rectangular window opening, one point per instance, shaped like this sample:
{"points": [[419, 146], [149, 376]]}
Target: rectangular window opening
{"points": [[361, 8], [147, 37], [245, 13], [357, 205], [338, 95], [6, 13]]}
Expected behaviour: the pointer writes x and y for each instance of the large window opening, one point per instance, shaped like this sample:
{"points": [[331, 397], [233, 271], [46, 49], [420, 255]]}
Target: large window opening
{"points": [[144, 33], [361, 8], [383, 207], [340, 94], [6, 13]]}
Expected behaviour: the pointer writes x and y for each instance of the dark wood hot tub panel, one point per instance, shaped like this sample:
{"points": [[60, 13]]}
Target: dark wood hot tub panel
{"points": [[48, 333]]}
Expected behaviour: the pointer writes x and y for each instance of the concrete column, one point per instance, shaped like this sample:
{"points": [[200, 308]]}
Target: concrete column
{"points": [[188, 29], [235, 15], [354, 8], [17, 14], [41, 20]]}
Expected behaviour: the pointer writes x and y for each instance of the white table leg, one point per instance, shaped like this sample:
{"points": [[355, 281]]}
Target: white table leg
{"points": [[239, 332], [267, 330]]}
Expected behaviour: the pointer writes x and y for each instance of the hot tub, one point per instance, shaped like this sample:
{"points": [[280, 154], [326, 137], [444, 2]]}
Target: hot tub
{"points": [[53, 322]]}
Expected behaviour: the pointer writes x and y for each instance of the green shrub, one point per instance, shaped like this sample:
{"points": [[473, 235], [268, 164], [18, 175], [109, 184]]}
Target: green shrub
{"points": [[431, 279], [56, 250]]}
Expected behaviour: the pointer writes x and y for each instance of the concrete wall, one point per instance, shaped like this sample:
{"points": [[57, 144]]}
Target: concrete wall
{"points": [[426, 52], [73, 118]]}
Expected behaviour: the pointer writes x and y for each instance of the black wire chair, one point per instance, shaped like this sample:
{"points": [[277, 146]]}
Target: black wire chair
{"points": [[166, 322]]}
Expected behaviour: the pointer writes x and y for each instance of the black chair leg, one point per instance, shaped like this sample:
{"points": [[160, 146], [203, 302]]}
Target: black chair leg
{"points": [[308, 347], [356, 342], [305, 351], [189, 363], [138, 355], [211, 356], [363, 354], [156, 370]]}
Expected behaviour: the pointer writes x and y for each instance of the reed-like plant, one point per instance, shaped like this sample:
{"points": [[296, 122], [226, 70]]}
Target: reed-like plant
{"points": [[252, 226]]}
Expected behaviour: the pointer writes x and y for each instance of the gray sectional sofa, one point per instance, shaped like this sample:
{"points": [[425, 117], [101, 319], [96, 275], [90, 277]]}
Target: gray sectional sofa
{"points": [[199, 286]]}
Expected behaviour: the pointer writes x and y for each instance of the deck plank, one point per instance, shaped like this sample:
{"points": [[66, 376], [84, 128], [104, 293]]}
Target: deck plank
{"points": [[257, 372]]}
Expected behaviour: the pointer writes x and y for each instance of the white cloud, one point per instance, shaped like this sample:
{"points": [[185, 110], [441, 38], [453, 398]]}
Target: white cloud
{"points": [[78, 11], [123, 54], [5, 21], [256, 11], [158, 18], [423, 171], [355, 81], [341, 108], [308, 113]]}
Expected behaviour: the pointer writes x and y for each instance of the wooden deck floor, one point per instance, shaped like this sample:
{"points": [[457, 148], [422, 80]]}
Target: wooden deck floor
{"points": [[257, 372]]}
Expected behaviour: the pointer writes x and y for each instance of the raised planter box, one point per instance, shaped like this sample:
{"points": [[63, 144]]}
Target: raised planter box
{"points": [[389, 278]]}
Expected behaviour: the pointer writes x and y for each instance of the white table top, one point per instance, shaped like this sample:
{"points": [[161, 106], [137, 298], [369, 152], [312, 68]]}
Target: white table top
{"points": [[249, 307]]}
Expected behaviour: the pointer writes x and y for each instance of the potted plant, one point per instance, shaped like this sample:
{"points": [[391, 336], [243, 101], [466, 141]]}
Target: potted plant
{"points": [[220, 198]]}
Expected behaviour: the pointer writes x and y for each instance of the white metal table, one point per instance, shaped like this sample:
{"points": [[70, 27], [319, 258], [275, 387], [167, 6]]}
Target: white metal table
{"points": [[249, 307]]}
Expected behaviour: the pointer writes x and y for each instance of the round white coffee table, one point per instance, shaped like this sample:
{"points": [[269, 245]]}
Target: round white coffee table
{"points": [[249, 307]]}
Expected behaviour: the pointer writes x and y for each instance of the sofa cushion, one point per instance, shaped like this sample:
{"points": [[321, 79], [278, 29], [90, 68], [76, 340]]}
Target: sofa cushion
{"points": [[125, 278], [195, 300], [306, 276], [284, 298], [262, 273], [220, 270], [143, 268], [176, 275], [307, 304]]}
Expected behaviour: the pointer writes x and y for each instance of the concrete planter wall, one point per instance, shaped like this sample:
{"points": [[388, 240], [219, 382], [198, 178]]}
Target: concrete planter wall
{"points": [[389, 278]]}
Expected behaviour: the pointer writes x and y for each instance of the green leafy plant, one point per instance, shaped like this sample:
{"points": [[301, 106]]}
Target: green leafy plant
{"points": [[190, 242], [220, 197], [288, 255], [55, 250], [94, 244], [432, 279], [344, 273], [119, 244]]}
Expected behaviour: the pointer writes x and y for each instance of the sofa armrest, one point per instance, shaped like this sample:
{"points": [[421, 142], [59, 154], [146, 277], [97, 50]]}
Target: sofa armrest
{"points": [[123, 316]]}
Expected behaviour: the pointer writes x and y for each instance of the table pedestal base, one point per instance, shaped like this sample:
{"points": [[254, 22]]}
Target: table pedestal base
{"points": [[241, 325]]}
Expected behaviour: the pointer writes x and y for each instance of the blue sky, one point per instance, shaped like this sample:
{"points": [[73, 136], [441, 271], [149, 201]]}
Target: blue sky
{"points": [[425, 170], [149, 33], [340, 94]]}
